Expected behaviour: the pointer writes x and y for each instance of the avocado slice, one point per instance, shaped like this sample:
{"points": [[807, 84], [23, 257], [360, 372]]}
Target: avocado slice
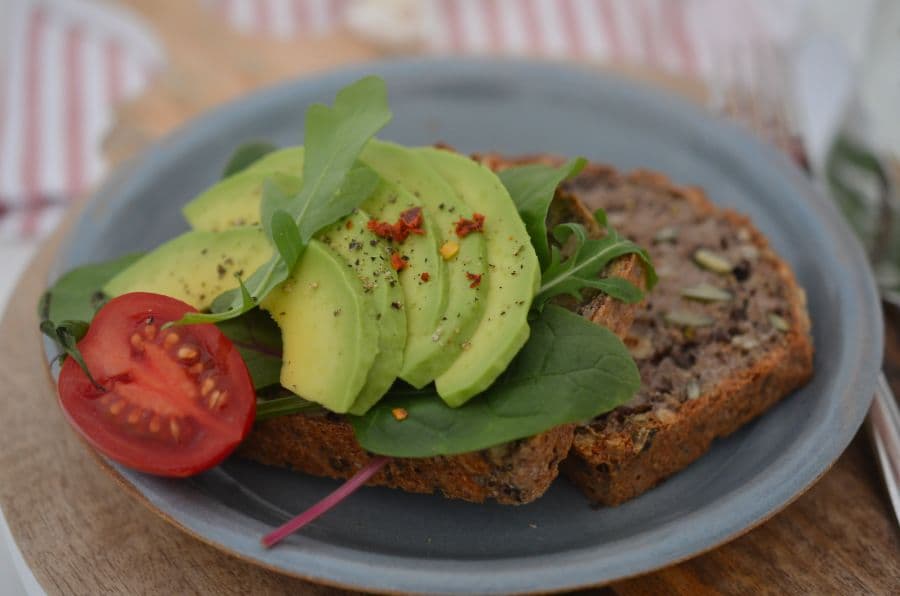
{"points": [[329, 329], [235, 200], [288, 161], [464, 304], [514, 278], [369, 257], [196, 266], [424, 301]]}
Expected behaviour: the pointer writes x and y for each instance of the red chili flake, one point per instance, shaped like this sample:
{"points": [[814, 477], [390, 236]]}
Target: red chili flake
{"points": [[425, 276], [464, 226], [398, 263], [380, 228], [409, 222], [475, 278], [349, 224], [399, 233], [412, 219]]}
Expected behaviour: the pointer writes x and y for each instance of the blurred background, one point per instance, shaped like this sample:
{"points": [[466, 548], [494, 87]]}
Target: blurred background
{"points": [[85, 84]]}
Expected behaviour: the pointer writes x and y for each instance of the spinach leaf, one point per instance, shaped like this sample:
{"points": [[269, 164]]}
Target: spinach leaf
{"points": [[589, 258], [532, 187], [76, 296], [245, 155], [333, 184], [569, 370], [258, 339]]}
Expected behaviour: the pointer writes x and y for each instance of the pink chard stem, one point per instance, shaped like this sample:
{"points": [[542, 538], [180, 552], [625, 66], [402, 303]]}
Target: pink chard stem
{"points": [[342, 492]]}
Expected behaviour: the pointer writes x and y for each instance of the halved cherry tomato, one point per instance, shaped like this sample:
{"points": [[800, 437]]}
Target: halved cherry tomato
{"points": [[173, 402]]}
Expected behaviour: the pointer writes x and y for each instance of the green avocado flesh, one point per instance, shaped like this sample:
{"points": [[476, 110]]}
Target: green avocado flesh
{"points": [[438, 329], [288, 160], [369, 257], [441, 344], [328, 327], [196, 266], [514, 277], [423, 301], [235, 200]]}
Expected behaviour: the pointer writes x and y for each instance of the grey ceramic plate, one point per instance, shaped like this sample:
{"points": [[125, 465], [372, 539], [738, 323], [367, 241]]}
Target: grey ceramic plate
{"points": [[386, 540]]}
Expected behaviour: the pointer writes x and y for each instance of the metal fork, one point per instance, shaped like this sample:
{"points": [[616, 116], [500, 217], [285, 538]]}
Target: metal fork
{"points": [[751, 85]]}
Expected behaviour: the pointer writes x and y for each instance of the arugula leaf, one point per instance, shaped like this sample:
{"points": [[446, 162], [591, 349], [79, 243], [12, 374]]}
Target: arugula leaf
{"points": [[589, 258], [570, 370], [77, 295], [66, 335], [333, 184], [532, 188], [358, 185], [285, 236], [245, 155], [283, 406]]}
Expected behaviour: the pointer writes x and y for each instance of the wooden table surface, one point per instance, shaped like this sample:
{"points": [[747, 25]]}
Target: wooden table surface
{"points": [[81, 533]]}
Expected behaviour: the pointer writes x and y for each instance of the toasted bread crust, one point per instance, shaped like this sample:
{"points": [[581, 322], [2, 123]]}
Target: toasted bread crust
{"points": [[512, 474], [615, 464]]}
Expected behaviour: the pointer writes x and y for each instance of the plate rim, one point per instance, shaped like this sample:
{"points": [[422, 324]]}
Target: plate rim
{"points": [[160, 150]]}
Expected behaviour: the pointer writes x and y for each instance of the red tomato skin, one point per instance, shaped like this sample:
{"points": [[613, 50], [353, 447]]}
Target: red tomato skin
{"points": [[209, 436]]}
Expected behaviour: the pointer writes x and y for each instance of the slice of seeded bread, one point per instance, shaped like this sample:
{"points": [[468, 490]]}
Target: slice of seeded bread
{"points": [[707, 368], [513, 473]]}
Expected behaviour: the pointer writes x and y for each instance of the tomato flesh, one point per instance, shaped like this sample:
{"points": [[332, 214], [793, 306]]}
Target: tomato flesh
{"points": [[172, 402]]}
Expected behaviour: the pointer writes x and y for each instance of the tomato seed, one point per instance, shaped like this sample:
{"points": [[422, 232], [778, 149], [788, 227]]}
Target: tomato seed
{"points": [[187, 353], [217, 399], [207, 386], [149, 331], [137, 342], [154, 424], [174, 428], [116, 407], [196, 369], [171, 339], [134, 417]]}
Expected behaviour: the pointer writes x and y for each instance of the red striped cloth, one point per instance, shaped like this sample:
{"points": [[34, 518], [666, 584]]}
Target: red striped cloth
{"points": [[69, 62], [63, 71]]}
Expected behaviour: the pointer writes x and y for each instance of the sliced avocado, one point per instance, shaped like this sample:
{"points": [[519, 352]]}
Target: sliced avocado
{"points": [[465, 305], [514, 278], [196, 266], [288, 160], [328, 328], [424, 300], [234, 201], [369, 257]]}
